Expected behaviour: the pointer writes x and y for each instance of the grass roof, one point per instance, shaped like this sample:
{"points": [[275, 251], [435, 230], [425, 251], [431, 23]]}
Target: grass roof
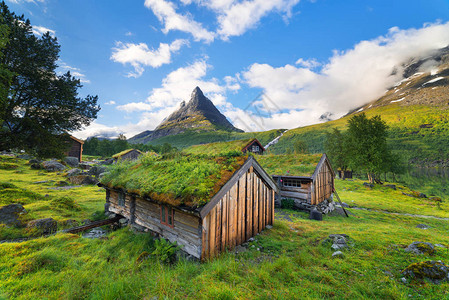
{"points": [[190, 180], [289, 164], [124, 152], [218, 148]]}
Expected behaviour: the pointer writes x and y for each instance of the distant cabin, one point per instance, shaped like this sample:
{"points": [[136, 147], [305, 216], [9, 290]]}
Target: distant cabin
{"points": [[310, 192], [75, 148], [217, 148], [236, 209], [344, 174], [254, 146], [130, 154]]}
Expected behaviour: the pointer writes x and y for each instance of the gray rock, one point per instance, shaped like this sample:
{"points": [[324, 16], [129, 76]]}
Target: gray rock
{"points": [[82, 179], [316, 215], [123, 221], [96, 170], [338, 254], [34, 161], [240, 249], [268, 227], [24, 156], [53, 166], [10, 214], [72, 161], [420, 248], [36, 166], [73, 172], [391, 186], [434, 271], [84, 166], [95, 233], [345, 205], [404, 280], [368, 185], [45, 226], [440, 246], [422, 226], [106, 162]]}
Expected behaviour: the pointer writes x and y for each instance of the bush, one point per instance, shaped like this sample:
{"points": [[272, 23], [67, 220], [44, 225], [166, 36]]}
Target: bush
{"points": [[165, 251], [65, 203], [288, 203]]}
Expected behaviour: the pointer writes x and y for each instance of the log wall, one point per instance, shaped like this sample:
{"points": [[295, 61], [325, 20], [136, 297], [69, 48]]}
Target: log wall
{"points": [[186, 230], [241, 213]]}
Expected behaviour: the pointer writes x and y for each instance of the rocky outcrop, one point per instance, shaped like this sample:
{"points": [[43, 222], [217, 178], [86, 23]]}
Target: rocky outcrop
{"points": [[421, 248], [434, 271], [43, 226], [53, 166], [10, 214], [82, 179], [72, 161]]}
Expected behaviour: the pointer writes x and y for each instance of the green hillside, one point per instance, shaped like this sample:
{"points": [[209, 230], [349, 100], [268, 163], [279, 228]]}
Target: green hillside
{"points": [[192, 137], [419, 132]]}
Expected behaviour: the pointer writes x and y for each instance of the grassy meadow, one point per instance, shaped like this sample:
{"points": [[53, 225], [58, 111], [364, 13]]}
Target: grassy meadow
{"points": [[288, 261]]}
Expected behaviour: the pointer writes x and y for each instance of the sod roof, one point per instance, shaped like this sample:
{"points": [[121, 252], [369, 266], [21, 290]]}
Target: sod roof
{"points": [[290, 164], [117, 155], [188, 180], [218, 148]]}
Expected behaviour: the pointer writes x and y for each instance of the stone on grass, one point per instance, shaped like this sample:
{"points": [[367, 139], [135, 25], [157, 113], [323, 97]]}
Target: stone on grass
{"points": [[53, 166], [422, 226], [421, 248], [72, 161], [82, 179], [337, 241], [73, 172], [316, 215], [434, 271], [44, 226], [368, 185], [338, 254], [10, 214], [96, 170], [391, 186], [36, 166]]}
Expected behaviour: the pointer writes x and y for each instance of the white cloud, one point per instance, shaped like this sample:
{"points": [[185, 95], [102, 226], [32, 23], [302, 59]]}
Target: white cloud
{"points": [[308, 63], [129, 33], [26, 1], [234, 18], [166, 13], [112, 102], [73, 71], [350, 79], [40, 30], [139, 55]]}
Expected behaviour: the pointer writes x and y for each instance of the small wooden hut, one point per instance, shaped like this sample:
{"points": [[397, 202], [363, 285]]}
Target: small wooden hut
{"points": [[254, 146], [130, 154], [239, 204], [310, 192], [75, 148]]}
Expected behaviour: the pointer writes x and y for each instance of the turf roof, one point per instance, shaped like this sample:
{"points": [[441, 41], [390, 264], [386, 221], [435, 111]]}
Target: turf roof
{"points": [[190, 180], [124, 152], [218, 148], [290, 164]]}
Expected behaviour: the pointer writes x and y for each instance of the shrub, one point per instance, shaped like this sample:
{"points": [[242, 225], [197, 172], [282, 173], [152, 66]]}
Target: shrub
{"points": [[288, 203], [165, 251], [65, 203]]}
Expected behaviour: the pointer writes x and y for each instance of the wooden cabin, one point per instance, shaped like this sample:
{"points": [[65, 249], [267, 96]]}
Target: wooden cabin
{"points": [[130, 154], [310, 192], [254, 146], [75, 148], [344, 174], [241, 207]]}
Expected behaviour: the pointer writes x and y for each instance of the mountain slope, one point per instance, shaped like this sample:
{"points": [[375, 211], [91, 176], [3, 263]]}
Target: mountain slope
{"points": [[416, 110], [198, 115]]}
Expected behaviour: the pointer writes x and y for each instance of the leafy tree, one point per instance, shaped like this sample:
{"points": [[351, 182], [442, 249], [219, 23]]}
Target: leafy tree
{"points": [[336, 147], [367, 146], [37, 104]]}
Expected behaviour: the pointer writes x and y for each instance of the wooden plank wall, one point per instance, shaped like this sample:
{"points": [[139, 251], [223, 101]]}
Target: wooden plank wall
{"points": [[323, 185], [244, 211], [117, 209]]}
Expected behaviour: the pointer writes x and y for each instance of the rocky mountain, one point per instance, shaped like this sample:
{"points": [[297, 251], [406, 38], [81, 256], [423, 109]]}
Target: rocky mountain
{"points": [[199, 115], [416, 109]]}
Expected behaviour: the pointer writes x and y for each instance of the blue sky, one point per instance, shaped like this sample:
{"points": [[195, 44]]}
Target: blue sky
{"points": [[264, 63]]}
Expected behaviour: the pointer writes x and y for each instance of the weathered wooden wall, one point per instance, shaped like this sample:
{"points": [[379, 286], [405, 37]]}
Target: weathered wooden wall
{"points": [[323, 185], [186, 230], [241, 213], [76, 150], [132, 155]]}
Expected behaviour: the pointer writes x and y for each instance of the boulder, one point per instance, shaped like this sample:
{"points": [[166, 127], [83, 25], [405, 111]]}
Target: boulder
{"points": [[368, 185], [338, 254], [44, 226], [421, 248], [96, 170], [434, 271], [24, 156], [316, 215], [84, 166], [36, 166], [73, 172], [82, 179], [391, 186], [106, 162], [422, 226], [337, 241], [72, 161], [10, 214], [34, 161], [53, 165]]}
